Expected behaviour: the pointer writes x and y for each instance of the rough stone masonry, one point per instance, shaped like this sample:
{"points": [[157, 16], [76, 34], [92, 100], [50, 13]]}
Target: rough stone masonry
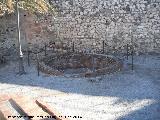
{"points": [[90, 22]]}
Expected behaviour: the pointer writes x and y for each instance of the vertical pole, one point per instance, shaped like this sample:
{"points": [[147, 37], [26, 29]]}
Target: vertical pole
{"points": [[127, 51], [45, 49], [73, 47], [103, 46], [28, 57], [37, 57], [132, 57], [132, 49], [21, 66]]}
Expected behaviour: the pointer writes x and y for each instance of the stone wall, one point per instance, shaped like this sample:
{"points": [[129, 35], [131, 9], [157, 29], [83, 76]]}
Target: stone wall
{"points": [[88, 23], [34, 30], [117, 22]]}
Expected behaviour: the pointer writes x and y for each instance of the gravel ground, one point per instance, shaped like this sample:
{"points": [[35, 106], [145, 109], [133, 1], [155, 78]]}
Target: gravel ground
{"points": [[125, 95]]}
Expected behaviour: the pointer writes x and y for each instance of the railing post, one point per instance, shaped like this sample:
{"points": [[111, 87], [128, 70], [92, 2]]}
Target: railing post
{"points": [[37, 57], [73, 47], [103, 47], [132, 57], [45, 49], [28, 57], [127, 51]]}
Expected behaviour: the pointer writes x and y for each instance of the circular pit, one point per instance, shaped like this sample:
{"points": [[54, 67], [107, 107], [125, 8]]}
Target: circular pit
{"points": [[80, 64]]}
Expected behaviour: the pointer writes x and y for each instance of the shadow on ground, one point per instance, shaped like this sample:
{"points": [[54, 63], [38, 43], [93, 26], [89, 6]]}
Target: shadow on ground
{"points": [[128, 86]]}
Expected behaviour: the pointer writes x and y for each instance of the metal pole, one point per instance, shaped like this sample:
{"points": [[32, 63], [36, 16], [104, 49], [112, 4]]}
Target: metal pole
{"points": [[73, 47], [21, 66], [28, 57], [37, 57], [127, 51], [45, 49], [132, 57], [103, 47], [132, 49]]}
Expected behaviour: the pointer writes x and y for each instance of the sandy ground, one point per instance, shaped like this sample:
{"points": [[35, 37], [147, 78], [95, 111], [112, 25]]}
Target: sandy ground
{"points": [[125, 95]]}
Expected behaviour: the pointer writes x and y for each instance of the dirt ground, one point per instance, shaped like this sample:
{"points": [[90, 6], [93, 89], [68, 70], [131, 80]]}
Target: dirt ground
{"points": [[124, 95]]}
